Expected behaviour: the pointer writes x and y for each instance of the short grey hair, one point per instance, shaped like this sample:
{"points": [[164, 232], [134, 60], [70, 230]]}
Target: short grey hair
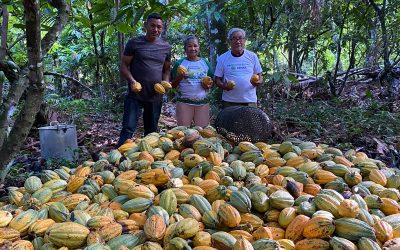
{"points": [[234, 30]]}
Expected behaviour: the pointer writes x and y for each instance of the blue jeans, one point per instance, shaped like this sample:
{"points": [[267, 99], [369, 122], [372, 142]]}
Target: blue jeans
{"points": [[132, 111]]}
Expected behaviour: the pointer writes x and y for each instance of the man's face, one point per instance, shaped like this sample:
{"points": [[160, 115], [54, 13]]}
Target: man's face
{"points": [[237, 42], [153, 28]]}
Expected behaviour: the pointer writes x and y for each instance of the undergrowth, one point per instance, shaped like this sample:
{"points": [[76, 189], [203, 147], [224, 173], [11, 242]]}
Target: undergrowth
{"points": [[334, 121], [78, 110]]}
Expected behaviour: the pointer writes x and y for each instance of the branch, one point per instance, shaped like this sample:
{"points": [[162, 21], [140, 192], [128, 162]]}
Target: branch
{"points": [[252, 15], [397, 60], [14, 94], [266, 29], [3, 42], [59, 24], [352, 61], [71, 79], [353, 71], [339, 49], [17, 41], [312, 38], [303, 76], [3, 174], [19, 84], [11, 75], [375, 6], [56, 4], [4, 30]]}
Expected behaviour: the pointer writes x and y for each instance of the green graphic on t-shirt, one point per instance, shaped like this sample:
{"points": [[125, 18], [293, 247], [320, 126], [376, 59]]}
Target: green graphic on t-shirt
{"points": [[196, 72]]}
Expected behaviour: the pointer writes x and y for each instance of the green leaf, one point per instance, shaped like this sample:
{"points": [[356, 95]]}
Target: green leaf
{"points": [[84, 20], [292, 78], [123, 28], [100, 7], [45, 27], [101, 26], [369, 94], [19, 25], [218, 16], [101, 19]]}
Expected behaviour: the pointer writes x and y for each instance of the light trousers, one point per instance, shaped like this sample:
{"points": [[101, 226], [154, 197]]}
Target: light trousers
{"points": [[187, 114]]}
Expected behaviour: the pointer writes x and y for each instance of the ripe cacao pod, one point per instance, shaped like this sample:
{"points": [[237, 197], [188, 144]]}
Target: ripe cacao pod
{"points": [[136, 87], [159, 89]]}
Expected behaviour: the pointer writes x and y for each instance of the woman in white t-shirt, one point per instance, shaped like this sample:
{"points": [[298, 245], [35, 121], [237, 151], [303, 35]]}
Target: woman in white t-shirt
{"points": [[240, 66], [188, 76]]}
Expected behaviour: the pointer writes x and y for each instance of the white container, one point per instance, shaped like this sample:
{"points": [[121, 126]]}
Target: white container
{"points": [[58, 141]]}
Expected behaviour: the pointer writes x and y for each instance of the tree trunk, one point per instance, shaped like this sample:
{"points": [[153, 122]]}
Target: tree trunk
{"points": [[272, 19], [36, 50], [291, 39], [212, 51], [35, 89], [121, 46], [339, 50], [252, 18], [386, 76], [96, 52], [293, 55], [372, 54], [218, 29], [164, 33], [60, 21], [109, 85], [352, 61], [16, 90], [166, 21], [3, 42], [4, 31]]}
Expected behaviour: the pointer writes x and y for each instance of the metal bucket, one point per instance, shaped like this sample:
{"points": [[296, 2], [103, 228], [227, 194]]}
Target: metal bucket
{"points": [[58, 141]]}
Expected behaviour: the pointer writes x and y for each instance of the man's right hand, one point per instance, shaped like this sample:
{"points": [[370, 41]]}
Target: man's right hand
{"points": [[136, 87], [222, 84], [228, 85]]}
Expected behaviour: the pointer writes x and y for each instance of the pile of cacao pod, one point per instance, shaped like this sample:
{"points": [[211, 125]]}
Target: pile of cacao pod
{"points": [[191, 189]]}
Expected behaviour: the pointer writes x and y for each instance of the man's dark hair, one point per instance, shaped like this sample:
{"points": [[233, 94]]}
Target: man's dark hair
{"points": [[154, 16]]}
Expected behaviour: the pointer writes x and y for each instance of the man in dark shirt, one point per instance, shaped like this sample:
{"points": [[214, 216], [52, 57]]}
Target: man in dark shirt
{"points": [[146, 60]]}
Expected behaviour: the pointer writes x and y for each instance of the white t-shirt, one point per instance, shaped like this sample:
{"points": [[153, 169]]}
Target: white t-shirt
{"points": [[239, 69], [190, 87]]}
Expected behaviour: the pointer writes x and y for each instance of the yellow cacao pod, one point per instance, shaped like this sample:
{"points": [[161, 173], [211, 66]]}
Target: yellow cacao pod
{"points": [[167, 86], [182, 70], [159, 89], [254, 78], [206, 82], [136, 87], [231, 84]]}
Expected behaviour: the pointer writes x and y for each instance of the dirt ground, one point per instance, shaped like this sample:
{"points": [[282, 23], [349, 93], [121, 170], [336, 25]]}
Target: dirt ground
{"points": [[99, 132]]}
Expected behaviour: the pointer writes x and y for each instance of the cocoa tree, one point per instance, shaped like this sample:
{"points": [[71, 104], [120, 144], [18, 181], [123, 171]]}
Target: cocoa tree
{"points": [[217, 30], [3, 41], [29, 78], [386, 76]]}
